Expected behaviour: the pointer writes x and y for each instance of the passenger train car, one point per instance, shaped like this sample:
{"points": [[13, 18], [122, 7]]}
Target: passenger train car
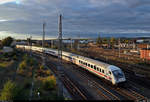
{"points": [[109, 72]]}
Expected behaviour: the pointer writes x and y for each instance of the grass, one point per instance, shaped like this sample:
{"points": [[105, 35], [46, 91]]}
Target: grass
{"points": [[43, 78], [45, 83], [4, 64]]}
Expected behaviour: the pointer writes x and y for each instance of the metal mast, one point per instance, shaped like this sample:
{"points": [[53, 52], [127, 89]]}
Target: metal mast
{"points": [[60, 38], [78, 42], [59, 69], [71, 42], [119, 47], [43, 41], [30, 45]]}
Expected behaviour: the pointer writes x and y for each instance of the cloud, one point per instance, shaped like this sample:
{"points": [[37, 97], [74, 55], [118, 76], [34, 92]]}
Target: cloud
{"points": [[3, 20], [6, 1], [79, 16]]}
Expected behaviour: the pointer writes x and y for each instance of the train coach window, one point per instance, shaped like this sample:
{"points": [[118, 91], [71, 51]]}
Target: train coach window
{"points": [[109, 72], [86, 64], [79, 61], [102, 71], [91, 66], [95, 67]]}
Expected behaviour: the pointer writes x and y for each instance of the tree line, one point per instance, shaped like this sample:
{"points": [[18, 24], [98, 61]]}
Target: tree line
{"points": [[6, 42]]}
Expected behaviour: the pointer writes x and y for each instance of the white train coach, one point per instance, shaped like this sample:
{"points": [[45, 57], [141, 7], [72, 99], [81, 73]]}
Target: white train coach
{"points": [[109, 72]]}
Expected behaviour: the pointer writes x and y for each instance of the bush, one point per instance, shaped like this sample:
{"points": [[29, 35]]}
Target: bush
{"points": [[25, 56], [41, 67], [47, 72], [21, 71], [5, 54], [49, 83], [9, 92], [14, 57], [22, 65]]}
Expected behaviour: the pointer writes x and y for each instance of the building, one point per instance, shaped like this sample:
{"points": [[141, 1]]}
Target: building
{"points": [[21, 43], [7, 49], [143, 46], [145, 54]]}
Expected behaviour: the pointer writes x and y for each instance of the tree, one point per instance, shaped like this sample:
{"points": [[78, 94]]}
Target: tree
{"points": [[105, 41], [7, 41], [9, 91], [98, 41], [112, 40], [126, 41]]}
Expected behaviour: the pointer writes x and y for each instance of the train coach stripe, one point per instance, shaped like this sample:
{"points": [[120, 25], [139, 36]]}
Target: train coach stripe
{"points": [[109, 78]]}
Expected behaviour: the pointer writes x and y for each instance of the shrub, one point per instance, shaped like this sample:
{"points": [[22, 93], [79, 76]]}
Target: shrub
{"points": [[14, 57], [9, 92], [41, 67], [22, 65], [47, 72], [49, 83], [25, 56], [5, 54], [20, 71]]}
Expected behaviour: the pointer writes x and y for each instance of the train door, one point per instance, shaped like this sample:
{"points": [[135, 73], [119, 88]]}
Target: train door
{"points": [[108, 73], [105, 73]]}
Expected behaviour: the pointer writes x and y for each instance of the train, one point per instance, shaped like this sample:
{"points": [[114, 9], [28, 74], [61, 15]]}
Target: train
{"points": [[111, 73]]}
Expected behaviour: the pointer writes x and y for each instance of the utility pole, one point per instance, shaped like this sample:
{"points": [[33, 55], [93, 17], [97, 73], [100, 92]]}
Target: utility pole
{"points": [[43, 41], [79, 42], [60, 39], [119, 47], [71, 42], [30, 45], [51, 43], [59, 69]]}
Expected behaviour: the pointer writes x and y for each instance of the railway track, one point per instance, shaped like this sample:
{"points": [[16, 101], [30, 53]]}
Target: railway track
{"points": [[77, 92], [106, 94], [101, 90], [73, 89], [131, 95], [129, 70], [128, 93]]}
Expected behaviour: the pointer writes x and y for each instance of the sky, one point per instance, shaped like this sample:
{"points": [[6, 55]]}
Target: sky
{"points": [[81, 18]]}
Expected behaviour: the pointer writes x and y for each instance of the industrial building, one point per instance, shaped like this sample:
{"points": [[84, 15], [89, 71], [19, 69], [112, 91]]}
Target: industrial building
{"points": [[145, 54]]}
